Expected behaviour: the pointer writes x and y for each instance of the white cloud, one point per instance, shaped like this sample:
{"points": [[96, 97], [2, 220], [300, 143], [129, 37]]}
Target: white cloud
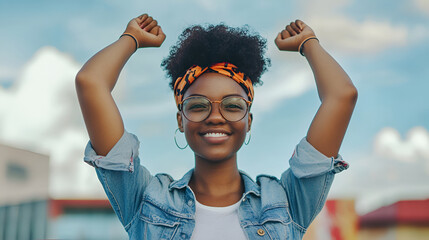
{"points": [[346, 35], [40, 112], [7, 72], [397, 169], [422, 5], [388, 144], [281, 84], [339, 32]]}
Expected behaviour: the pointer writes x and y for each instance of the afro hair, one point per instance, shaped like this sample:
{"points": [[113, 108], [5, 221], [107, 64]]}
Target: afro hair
{"points": [[217, 43]]}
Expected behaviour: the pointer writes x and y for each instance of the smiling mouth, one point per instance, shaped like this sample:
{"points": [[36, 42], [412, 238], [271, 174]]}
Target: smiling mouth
{"points": [[215, 135], [215, 138]]}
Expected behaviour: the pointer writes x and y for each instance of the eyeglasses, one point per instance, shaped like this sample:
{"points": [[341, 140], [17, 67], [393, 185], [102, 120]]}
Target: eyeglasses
{"points": [[198, 108]]}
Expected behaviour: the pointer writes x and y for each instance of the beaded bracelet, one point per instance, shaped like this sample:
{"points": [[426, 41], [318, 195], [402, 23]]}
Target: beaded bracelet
{"points": [[301, 46], [132, 36]]}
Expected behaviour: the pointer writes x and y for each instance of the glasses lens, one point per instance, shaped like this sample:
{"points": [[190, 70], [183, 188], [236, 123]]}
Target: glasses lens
{"points": [[196, 109], [233, 108]]}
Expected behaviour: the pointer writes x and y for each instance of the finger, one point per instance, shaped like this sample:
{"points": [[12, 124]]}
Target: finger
{"points": [[303, 24], [151, 25], [146, 22], [140, 19], [290, 30], [143, 16], [300, 24], [155, 30], [295, 27], [285, 34]]}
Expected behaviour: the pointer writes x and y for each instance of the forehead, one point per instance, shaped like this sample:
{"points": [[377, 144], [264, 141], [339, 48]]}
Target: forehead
{"points": [[215, 86]]}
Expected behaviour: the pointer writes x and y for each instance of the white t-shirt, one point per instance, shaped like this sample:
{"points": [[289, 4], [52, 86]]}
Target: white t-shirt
{"points": [[214, 223]]}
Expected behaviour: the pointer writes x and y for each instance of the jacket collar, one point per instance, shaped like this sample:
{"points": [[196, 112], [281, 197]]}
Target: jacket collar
{"points": [[183, 182], [249, 185]]}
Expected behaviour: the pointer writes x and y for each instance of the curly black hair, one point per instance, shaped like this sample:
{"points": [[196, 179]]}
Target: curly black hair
{"points": [[218, 43]]}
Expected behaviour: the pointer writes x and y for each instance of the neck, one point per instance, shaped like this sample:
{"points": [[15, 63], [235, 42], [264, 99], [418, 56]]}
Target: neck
{"points": [[217, 183]]}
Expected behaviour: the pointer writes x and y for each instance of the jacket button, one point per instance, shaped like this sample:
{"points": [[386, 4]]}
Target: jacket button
{"points": [[261, 232], [190, 202]]}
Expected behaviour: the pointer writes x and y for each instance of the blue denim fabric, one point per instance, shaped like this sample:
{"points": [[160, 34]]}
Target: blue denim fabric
{"points": [[158, 207]]}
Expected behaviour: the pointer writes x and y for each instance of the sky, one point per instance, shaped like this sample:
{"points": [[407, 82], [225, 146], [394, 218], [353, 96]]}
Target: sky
{"points": [[382, 45]]}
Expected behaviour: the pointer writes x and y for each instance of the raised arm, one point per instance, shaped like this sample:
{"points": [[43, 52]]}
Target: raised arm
{"points": [[336, 91], [97, 78]]}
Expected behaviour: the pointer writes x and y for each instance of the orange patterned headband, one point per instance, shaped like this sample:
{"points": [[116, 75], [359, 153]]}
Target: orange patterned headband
{"points": [[230, 70]]}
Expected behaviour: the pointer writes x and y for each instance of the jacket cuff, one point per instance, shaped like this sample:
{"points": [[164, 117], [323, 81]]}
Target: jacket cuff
{"points": [[307, 161], [120, 158]]}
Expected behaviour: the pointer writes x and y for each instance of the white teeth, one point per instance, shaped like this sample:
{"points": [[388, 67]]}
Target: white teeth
{"points": [[215, 135]]}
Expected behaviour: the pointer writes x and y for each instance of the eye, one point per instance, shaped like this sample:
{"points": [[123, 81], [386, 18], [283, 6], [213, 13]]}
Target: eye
{"points": [[196, 106], [233, 106]]}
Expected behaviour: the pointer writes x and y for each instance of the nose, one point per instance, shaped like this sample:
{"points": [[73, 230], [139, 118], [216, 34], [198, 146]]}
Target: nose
{"points": [[215, 117]]}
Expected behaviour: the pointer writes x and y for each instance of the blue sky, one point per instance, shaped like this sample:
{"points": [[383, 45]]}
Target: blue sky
{"points": [[382, 45]]}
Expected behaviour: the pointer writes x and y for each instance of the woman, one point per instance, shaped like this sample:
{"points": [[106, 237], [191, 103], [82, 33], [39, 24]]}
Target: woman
{"points": [[213, 88]]}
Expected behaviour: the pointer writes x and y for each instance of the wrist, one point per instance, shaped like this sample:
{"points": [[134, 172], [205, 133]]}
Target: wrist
{"points": [[308, 46], [130, 39]]}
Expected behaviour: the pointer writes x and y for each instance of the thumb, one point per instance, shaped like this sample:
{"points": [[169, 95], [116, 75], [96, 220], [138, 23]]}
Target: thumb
{"points": [[300, 24], [161, 33], [279, 37]]}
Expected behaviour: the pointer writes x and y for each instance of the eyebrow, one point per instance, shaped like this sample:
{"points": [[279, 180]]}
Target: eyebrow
{"points": [[229, 95]]}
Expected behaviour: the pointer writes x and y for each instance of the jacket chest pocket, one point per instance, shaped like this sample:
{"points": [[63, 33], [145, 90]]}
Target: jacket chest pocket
{"points": [[156, 223], [277, 222]]}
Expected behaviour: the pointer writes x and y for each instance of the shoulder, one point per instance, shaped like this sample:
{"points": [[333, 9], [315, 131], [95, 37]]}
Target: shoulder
{"points": [[270, 185], [263, 179], [270, 188], [164, 178]]}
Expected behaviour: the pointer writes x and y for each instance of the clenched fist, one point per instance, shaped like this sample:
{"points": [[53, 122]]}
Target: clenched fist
{"points": [[146, 30], [292, 36]]}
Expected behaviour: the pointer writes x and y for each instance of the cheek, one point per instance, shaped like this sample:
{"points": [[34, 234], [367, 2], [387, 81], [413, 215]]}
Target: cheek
{"points": [[190, 130], [241, 131]]}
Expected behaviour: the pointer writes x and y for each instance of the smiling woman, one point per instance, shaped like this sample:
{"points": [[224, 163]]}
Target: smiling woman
{"points": [[213, 71]]}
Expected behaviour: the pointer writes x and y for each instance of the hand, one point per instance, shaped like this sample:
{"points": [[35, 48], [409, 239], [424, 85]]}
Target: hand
{"points": [[293, 35], [146, 30]]}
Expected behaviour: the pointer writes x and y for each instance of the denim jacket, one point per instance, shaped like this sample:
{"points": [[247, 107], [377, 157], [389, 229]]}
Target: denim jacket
{"points": [[158, 207]]}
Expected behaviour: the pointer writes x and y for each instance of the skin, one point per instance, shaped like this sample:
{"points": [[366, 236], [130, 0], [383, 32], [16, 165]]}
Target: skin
{"points": [[216, 180], [336, 91]]}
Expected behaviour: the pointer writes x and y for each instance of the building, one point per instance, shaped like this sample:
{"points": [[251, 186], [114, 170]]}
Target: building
{"points": [[403, 220], [24, 194], [337, 221]]}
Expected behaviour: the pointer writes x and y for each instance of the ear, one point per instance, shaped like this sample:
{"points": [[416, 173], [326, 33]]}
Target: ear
{"points": [[250, 120], [179, 121]]}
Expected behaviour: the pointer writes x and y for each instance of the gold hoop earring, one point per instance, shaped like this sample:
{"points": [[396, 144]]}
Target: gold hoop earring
{"points": [[250, 137], [175, 133]]}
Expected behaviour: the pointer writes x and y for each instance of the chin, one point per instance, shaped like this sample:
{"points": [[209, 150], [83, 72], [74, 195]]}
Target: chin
{"points": [[215, 156]]}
